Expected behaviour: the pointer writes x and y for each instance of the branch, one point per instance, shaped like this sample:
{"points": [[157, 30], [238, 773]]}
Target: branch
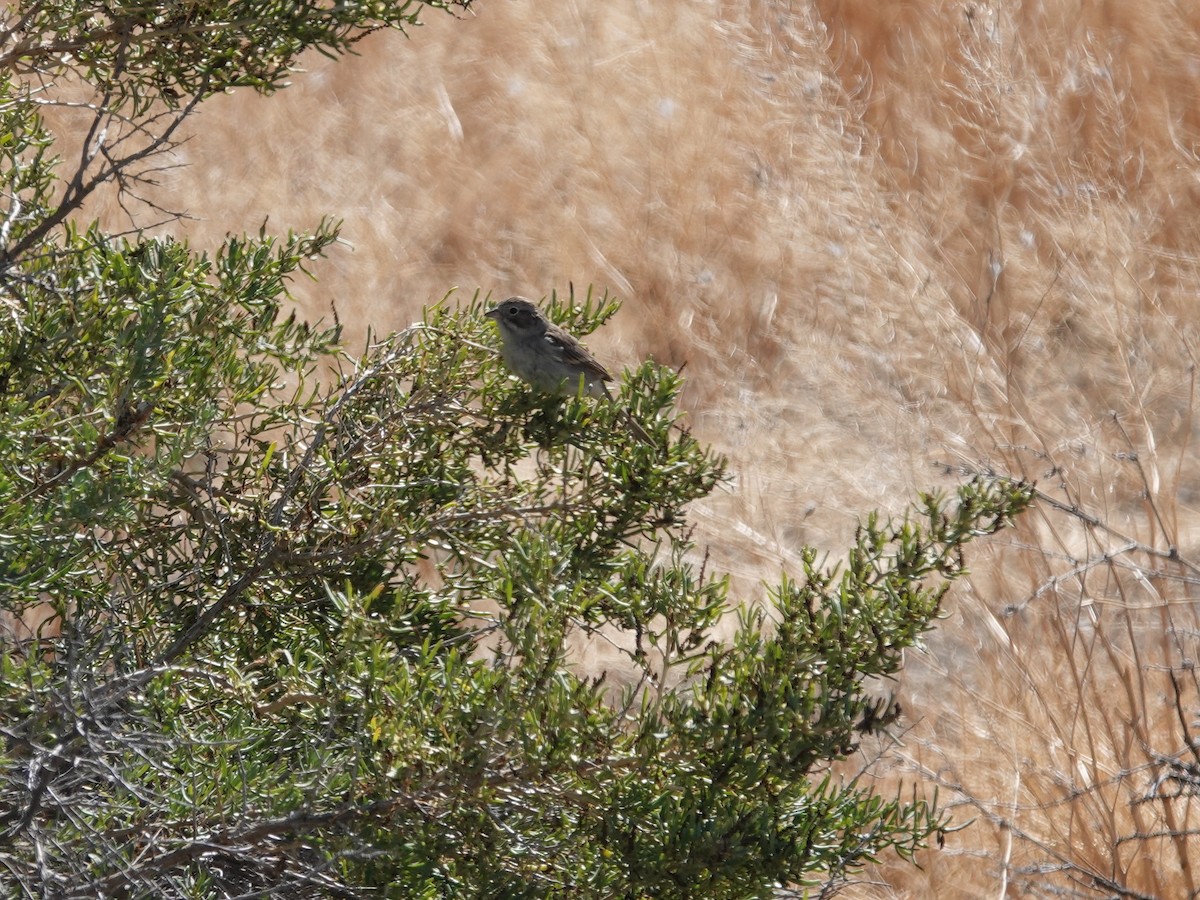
{"points": [[82, 186], [265, 556]]}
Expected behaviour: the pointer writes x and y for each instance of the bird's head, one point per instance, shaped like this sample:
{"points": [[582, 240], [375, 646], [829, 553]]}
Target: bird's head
{"points": [[517, 315]]}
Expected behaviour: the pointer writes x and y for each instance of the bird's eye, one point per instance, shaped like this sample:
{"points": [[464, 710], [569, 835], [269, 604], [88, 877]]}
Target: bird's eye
{"points": [[512, 311]]}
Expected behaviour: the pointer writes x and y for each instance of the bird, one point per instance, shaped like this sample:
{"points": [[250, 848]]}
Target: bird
{"points": [[545, 356], [548, 358]]}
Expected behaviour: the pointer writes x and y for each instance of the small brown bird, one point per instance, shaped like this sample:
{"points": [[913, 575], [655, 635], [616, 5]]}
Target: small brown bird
{"points": [[548, 358], [542, 354]]}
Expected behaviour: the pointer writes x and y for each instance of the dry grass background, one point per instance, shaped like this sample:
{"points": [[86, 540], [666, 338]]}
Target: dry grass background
{"points": [[888, 240]]}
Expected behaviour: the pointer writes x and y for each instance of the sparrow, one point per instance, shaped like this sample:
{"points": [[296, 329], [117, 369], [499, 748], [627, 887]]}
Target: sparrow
{"points": [[542, 354], [548, 358]]}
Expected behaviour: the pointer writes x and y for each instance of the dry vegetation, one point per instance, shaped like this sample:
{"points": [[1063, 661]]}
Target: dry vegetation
{"points": [[890, 241]]}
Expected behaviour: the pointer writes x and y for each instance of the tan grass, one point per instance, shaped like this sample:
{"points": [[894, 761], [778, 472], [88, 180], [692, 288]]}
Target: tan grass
{"points": [[881, 236]]}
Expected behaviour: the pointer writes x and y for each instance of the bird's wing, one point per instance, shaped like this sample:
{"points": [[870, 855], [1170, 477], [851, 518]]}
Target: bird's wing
{"points": [[575, 353]]}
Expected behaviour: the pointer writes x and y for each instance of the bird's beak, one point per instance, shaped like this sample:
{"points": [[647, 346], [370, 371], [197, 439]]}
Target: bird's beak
{"points": [[493, 313]]}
